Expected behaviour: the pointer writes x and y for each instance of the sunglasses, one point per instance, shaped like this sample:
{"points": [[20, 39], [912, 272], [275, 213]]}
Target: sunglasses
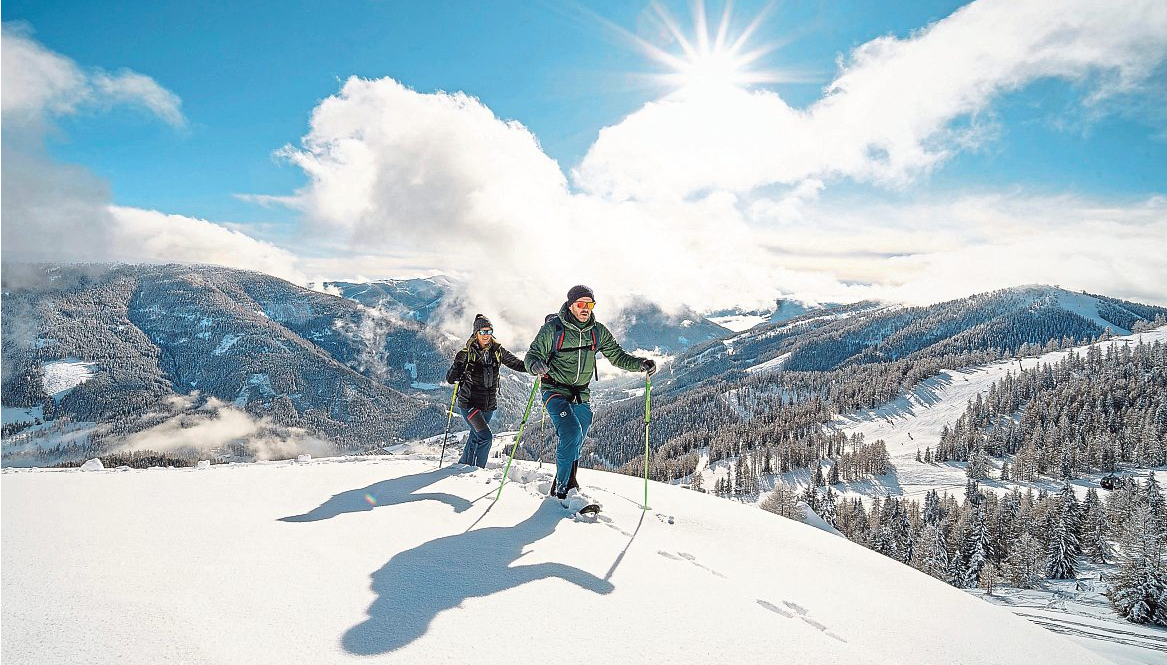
{"points": [[486, 331], [585, 305]]}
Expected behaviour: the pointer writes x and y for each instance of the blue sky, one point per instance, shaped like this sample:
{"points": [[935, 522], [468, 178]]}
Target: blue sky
{"points": [[990, 143]]}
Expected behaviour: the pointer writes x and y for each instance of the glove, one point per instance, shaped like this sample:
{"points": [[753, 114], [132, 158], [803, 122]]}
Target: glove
{"points": [[539, 368], [648, 365]]}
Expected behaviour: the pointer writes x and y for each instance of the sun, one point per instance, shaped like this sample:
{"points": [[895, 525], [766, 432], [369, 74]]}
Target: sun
{"points": [[709, 71], [708, 63]]}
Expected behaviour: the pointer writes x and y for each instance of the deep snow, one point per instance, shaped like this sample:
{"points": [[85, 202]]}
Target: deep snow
{"points": [[388, 559]]}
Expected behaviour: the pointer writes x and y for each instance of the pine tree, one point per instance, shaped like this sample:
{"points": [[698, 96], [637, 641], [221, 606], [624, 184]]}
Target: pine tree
{"points": [[932, 511], [978, 464], [810, 496], [972, 492], [697, 481], [783, 501], [931, 556], [829, 509], [1023, 568], [817, 478], [990, 578], [1064, 541], [1138, 591], [977, 549], [1095, 528]]}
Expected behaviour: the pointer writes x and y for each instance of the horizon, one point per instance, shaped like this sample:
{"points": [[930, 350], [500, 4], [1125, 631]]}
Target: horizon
{"points": [[708, 154]]}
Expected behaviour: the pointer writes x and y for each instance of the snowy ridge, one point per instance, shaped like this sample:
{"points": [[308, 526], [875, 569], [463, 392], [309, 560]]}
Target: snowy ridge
{"points": [[389, 559]]}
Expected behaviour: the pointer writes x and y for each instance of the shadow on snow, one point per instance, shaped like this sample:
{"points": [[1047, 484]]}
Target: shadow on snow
{"points": [[418, 584], [385, 493]]}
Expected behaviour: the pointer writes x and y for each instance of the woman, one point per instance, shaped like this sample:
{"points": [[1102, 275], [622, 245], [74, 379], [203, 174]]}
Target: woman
{"points": [[475, 370]]}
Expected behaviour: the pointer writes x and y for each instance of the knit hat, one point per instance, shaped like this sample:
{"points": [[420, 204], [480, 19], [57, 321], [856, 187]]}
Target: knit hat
{"points": [[580, 291], [481, 322]]}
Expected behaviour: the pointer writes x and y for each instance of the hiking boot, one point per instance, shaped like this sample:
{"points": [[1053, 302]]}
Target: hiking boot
{"points": [[558, 495]]}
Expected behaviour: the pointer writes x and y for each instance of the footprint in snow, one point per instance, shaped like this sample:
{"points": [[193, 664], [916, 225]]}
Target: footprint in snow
{"points": [[685, 556], [775, 609], [796, 607], [799, 612]]}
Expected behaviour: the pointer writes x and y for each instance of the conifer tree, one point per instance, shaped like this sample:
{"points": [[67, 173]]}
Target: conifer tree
{"points": [[1138, 592], [1023, 566], [931, 555], [1095, 528], [829, 509], [932, 507], [977, 548], [1064, 540], [783, 501]]}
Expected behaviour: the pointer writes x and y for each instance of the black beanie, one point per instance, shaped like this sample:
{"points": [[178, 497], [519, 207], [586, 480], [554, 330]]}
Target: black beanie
{"points": [[481, 322], [580, 291]]}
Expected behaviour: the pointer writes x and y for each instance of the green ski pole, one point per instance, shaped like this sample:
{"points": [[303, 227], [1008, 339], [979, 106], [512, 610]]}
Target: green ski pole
{"points": [[647, 419], [448, 421], [526, 414]]}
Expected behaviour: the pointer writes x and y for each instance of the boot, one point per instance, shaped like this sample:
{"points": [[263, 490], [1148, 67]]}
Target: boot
{"points": [[558, 495]]}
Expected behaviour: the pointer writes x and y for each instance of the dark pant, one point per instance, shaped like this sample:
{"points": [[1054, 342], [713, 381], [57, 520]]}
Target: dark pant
{"points": [[571, 424], [478, 443]]}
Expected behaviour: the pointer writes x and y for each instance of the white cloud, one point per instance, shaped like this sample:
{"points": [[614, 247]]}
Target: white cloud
{"points": [[38, 84], [437, 178], [898, 108], [928, 251], [155, 237], [61, 212], [214, 425]]}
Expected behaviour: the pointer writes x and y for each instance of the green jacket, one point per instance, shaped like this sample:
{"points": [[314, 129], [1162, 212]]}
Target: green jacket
{"points": [[574, 368]]}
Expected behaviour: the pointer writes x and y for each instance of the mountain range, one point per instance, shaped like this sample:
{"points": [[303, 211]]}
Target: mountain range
{"points": [[96, 358]]}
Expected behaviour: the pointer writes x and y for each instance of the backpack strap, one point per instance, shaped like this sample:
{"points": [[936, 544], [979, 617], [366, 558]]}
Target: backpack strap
{"points": [[557, 344]]}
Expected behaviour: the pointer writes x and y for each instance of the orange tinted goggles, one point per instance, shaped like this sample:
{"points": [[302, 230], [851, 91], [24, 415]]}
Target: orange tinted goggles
{"points": [[585, 305]]}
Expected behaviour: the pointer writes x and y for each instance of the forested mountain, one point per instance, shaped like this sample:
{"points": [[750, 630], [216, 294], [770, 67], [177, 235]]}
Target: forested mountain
{"points": [[1088, 412], [291, 357], [770, 390], [639, 325], [644, 325], [415, 299]]}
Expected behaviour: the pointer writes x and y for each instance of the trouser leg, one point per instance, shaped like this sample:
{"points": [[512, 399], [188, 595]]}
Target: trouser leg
{"points": [[485, 439]]}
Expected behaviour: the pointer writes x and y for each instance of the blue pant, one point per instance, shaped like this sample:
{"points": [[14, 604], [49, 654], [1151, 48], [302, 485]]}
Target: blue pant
{"points": [[478, 443], [571, 424]]}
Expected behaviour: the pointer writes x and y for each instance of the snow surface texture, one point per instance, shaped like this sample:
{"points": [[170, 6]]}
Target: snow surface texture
{"points": [[388, 559], [62, 376]]}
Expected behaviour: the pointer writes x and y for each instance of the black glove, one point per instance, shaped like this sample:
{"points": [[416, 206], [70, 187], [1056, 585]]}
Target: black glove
{"points": [[539, 368], [648, 365]]}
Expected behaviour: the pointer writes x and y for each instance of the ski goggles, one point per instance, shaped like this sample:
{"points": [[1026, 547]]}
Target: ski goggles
{"points": [[486, 331], [585, 305]]}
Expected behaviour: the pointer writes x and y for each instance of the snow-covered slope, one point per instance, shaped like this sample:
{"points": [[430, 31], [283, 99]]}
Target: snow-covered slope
{"points": [[916, 419], [390, 560]]}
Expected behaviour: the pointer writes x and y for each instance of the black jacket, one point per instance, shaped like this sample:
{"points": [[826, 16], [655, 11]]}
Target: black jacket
{"points": [[476, 369]]}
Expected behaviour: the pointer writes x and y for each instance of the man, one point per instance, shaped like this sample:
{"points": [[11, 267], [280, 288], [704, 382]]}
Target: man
{"points": [[564, 355]]}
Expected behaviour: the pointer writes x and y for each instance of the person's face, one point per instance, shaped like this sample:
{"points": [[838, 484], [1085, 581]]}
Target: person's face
{"points": [[581, 308], [484, 336]]}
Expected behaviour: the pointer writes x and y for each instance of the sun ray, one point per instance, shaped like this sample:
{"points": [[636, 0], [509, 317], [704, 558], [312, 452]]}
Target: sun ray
{"points": [[723, 27]]}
